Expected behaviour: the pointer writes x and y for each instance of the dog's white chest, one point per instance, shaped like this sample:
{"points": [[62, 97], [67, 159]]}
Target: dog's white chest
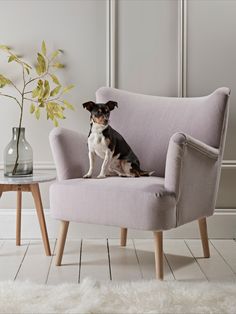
{"points": [[97, 143]]}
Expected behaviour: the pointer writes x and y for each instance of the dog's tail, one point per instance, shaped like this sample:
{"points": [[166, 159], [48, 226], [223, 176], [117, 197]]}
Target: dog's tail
{"points": [[139, 172], [144, 173]]}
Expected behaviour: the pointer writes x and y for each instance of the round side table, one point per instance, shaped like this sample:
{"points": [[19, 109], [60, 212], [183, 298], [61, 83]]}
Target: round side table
{"points": [[28, 184]]}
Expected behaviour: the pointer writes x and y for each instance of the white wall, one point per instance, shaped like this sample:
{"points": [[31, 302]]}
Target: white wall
{"points": [[211, 63], [147, 46], [146, 61], [77, 27]]}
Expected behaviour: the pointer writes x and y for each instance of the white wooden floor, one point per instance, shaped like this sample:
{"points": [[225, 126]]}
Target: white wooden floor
{"points": [[106, 260]]}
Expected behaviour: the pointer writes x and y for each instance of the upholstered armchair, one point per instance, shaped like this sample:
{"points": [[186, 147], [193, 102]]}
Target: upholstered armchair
{"points": [[181, 139]]}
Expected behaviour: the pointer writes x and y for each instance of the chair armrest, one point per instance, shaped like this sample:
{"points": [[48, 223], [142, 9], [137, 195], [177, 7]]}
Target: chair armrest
{"points": [[192, 169], [70, 153], [184, 139]]}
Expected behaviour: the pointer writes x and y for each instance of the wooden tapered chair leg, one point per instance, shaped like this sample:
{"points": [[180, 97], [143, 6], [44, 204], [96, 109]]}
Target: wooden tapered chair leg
{"points": [[61, 241], [204, 236], [123, 236], [158, 241]]}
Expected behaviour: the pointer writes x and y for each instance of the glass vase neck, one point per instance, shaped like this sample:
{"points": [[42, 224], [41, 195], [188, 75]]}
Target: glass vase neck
{"points": [[15, 132]]}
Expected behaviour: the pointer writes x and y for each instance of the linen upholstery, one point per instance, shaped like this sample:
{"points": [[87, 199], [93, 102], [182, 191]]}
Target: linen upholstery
{"points": [[127, 202], [70, 153], [191, 174], [148, 122], [182, 139]]}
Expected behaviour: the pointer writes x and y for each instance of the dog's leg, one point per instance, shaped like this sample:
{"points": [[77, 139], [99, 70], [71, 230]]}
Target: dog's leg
{"points": [[91, 165], [115, 167], [105, 165], [120, 174]]}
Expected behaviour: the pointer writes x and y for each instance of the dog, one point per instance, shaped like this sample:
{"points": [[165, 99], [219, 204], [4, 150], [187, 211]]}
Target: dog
{"points": [[108, 144]]}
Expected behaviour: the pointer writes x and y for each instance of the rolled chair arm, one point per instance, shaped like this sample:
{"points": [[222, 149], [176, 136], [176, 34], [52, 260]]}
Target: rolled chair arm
{"points": [[70, 153], [192, 169], [184, 139]]}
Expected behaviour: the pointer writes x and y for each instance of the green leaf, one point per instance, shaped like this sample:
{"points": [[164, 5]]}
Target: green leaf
{"points": [[38, 90], [58, 65], [27, 70], [4, 81], [32, 108], [41, 63], [55, 79], [4, 47], [55, 54], [55, 91], [55, 122], [67, 88], [11, 58], [44, 49], [37, 113], [68, 105], [46, 89], [38, 69], [27, 65], [41, 92], [51, 116], [40, 83], [35, 92], [60, 115], [53, 106], [49, 112]]}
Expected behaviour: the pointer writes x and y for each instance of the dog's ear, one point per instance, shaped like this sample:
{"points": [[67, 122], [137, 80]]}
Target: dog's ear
{"points": [[89, 105], [112, 104]]}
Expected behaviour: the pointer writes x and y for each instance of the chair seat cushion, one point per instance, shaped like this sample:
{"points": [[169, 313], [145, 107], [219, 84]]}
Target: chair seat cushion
{"points": [[137, 203]]}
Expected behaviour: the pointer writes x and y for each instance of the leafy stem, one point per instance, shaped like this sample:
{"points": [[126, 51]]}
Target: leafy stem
{"points": [[18, 135], [15, 87], [40, 76], [47, 93], [9, 96]]}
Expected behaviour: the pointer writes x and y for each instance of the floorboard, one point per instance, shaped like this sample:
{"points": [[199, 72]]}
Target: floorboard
{"points": [[184, 266], [103, 260], [214, 268], [124, 262], [146, 258], [227, 250], [11, 258], [94, 260], [69, 270], [36, 264]]}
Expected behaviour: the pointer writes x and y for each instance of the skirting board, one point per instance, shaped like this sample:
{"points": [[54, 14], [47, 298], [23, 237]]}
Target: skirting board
{"points": [[221, 225]]}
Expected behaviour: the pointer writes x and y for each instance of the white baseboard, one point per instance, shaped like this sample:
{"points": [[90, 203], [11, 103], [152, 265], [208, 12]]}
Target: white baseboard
{"points": [[221, 225]]}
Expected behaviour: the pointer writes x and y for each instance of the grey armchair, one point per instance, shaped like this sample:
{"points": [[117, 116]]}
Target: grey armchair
{"points": [[181, 139]]}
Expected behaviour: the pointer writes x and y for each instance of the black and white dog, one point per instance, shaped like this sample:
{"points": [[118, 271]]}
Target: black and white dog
{"points": [[108, 144]]}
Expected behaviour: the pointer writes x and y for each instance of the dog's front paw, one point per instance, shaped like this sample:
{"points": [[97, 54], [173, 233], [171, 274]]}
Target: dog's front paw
{"points": [[101, 176], [87, 176]]}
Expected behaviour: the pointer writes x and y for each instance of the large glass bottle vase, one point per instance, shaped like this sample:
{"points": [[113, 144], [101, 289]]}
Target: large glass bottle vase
{"points": [[18, 155]]}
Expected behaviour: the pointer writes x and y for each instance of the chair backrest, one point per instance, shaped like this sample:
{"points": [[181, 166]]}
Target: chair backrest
{"points": [[147, 122]]}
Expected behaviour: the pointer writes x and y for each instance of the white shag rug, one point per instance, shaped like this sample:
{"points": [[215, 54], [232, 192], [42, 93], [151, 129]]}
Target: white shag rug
{"points": [[118, 298]]}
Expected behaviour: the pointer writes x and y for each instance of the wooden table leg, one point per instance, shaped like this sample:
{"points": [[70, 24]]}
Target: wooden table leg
{"points": [[1, 189], [18, 217], [39, 209]]}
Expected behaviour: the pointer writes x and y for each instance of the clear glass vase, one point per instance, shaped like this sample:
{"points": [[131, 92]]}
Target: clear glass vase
{"points": [[18, 155]]}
